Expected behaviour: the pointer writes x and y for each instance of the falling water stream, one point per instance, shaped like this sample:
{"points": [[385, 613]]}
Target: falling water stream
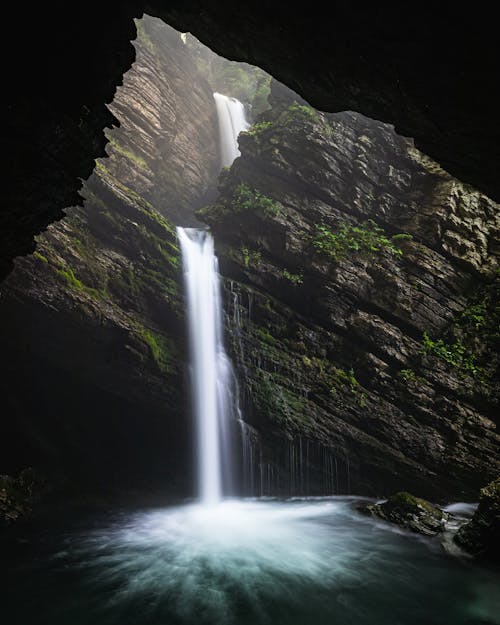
{"points": [[232, 121], [211, 371], [222, 561]]}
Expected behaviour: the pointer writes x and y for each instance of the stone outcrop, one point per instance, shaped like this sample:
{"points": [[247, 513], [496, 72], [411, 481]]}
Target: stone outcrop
{"points": [[363, 281], [410, 512], [481, 535], [92, 322]]}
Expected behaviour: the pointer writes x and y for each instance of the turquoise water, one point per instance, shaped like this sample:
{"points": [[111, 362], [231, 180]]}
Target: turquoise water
{"points": [[248, 562]]}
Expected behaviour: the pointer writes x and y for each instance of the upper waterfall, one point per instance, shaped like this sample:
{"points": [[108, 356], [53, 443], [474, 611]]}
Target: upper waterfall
{"points": [[232, 121]]}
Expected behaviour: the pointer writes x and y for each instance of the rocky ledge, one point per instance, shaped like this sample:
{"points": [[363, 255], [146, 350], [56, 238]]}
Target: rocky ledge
{"points": [[361, 287]]}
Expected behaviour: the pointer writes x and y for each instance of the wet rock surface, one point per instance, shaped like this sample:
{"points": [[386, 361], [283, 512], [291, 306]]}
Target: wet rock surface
{"points": [[363, 292], [481, 535], [410, 512]]}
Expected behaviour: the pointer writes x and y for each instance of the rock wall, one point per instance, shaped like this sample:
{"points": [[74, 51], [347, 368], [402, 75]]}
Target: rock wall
{"points": [[362, 282], [92, 323]]}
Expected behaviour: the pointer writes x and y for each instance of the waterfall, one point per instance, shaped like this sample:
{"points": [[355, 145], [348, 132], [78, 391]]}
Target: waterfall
{"points": [[232, 121], [214, 396]]}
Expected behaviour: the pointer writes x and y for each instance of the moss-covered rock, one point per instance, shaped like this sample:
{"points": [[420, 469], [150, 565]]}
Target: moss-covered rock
{"points": [[481, 535], [410, 512]]}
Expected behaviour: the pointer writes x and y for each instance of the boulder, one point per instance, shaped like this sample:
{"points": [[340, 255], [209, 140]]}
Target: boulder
{"points": [[481, 535], [410, 512]]}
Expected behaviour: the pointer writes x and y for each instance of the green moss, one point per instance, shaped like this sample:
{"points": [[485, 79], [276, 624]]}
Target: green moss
{"points": [[73, 282], [127, 153], [280, 404], [266, 336], [101, 168], [40, 257], [366, 238], [68, 274], [295, 278], [161, 348], [407, 500]]}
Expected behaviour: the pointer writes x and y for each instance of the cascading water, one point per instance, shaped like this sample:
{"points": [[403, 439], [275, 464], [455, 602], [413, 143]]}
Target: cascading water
{"points": [[211, 371], [212, 379], [232, 121]]}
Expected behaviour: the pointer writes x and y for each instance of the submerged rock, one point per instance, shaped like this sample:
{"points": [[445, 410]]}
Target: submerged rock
{"points": [[481, 535], [410, 512]]}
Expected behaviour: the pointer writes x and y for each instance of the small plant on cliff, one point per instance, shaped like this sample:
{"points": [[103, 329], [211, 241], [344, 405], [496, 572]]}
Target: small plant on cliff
{"points": [[366, 238], [258, 128], [294, 278], [408, 375], [455, 354], [303, 112], [247, 199], [250, 257]]}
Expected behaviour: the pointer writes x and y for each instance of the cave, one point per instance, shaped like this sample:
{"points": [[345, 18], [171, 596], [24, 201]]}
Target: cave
{"points": [[249, 310]]}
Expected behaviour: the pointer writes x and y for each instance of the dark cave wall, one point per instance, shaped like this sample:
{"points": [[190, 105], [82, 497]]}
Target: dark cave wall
{"points": [[430, 70], [92, 332]]}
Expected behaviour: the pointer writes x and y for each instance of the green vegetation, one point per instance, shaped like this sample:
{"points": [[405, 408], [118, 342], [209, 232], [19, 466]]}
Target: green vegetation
{"points": [[127, 153], [247, 199], [250, 257], [266, 336], [68, 274], [407, 500], [280, 403], [161, 349], [408, 375], [456, 354], [295, 278], [72, 281], [302, 112], [259, 128], [366, 238], [345, 378], [471, 344], [336, 378], [40, 257]]}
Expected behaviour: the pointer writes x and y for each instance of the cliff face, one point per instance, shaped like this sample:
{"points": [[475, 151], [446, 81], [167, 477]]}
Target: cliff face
{"points": [[364, 282], [360, 293], [92, 322]]}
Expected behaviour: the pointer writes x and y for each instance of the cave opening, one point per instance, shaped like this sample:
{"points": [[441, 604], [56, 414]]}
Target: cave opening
{"points": [[360, 287]]}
